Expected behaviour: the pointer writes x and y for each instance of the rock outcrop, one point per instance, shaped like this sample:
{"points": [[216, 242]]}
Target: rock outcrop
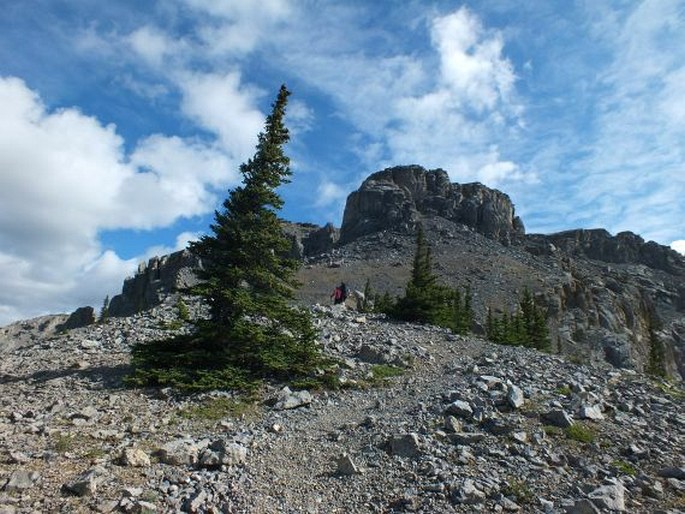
{"points": [[153, 281], [309, 240], [600, 245], [395, 199], [81, 317]]}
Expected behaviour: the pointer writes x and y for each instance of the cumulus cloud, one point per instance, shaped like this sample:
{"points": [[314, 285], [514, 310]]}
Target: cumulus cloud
{"points": [[679, 246], [64, 177], [472, 65], [220, 103], [441, 108], [151, 43]]}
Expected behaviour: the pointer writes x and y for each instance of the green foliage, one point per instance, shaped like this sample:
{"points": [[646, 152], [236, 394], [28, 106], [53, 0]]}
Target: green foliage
{"points": [[624, 467], [519, 491], [171, 325], [382, 372], [526, 327], [551, 430], [216, 409], [63, 443], [182, 309], [104, 312], [254, 332], [426, 301], [383, 303], [564, 390], [580, 433]]}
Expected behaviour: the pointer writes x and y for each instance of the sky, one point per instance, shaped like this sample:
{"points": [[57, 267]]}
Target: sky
{"points": [[124, 123]]}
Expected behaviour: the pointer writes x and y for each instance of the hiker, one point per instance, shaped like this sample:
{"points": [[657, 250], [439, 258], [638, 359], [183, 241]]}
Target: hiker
{"points": [[339, 294]]}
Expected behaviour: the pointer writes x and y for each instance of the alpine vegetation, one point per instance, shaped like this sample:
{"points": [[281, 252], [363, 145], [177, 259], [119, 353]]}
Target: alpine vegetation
{"points": [[426, 301]]}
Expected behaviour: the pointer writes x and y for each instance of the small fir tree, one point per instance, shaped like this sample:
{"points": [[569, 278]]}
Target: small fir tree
{"points": [[426, 301], [525, 327]]}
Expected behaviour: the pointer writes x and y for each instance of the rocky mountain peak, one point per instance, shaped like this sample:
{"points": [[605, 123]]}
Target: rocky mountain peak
{"points": [[396, 198]]}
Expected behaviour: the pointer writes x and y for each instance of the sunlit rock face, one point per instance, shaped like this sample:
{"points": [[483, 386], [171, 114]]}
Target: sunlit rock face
{"points": [[395, 199]]}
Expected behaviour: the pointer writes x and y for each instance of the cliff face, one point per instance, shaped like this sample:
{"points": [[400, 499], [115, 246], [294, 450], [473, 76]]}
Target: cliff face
{"points": [[598, 244], [396, 198], [153, 281]]}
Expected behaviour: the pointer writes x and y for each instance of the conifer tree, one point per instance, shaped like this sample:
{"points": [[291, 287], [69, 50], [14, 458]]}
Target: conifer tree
{"points": [[254, 332], [104, 311], [247, 280], [426, 301], [527, 326]]}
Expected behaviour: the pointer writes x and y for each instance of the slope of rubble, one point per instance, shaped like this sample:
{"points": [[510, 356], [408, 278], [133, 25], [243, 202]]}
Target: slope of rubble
{"points": [[426, 421]]}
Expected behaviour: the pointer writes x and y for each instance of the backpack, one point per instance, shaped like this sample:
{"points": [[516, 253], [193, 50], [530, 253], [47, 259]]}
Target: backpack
{"points": [[338, 295]]}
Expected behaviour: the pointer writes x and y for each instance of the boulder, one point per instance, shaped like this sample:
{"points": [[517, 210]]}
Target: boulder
{"points": [[405, 445], [81, 317]]}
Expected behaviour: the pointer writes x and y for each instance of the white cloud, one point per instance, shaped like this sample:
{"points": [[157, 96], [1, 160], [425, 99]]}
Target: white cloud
{"points": [[182, 241], [238, 27], [151, 44], [679, 246], [440, 107], [640, 126], [328, 193], [220, 103], [472, 66], [64, 177]]}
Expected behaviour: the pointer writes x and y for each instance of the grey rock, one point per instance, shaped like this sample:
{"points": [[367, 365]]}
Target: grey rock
{"points": [[372, 355], [558, 418], [467, 493], [452, 424], [135, 458], [610, 496], [153, 281], [583, 506], [459, 408], [222, 452], [396, 197], [592, 412], [288, 399], [21, 480], [179, 452], [87, 482], [81, 317], [345, 466], [673, 472], [515, 397], [466, 438], [405, 445]]}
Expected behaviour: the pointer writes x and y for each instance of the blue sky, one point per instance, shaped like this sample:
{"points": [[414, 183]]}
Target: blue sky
{"points": [[125, 122]]}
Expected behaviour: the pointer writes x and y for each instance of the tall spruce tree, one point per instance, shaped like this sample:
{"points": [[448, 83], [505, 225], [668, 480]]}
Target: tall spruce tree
{"points": [[254, 332], [247, 279]]}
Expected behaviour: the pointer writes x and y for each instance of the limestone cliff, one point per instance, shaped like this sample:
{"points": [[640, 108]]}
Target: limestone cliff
{"points": [[153, 281], [395, 199]]}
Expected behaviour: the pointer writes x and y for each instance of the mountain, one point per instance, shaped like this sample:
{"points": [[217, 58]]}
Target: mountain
{"points": [[614, 298], [425, 420]]}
